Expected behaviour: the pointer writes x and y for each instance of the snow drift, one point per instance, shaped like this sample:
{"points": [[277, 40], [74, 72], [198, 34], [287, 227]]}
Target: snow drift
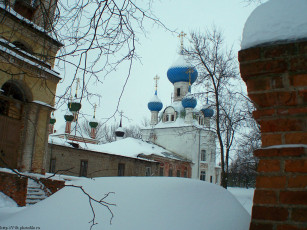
{"points": [[141, 203]]}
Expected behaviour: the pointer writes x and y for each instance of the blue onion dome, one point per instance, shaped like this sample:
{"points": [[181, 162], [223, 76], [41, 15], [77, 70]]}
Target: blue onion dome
{"points": [[155, 103], [74, 105], [52, 119], [93, 123], [179, 71], [208, 112], [189, 101], [69, 116]]}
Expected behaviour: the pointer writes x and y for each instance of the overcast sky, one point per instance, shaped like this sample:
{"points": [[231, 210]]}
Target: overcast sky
{"points": [[158, 50]]}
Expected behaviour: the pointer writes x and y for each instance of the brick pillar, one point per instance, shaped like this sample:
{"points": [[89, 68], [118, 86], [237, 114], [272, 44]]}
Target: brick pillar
{"points": [[276, 79]]}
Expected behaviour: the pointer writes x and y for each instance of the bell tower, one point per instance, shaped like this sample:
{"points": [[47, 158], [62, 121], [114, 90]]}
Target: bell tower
{"points": [[27, 83]]}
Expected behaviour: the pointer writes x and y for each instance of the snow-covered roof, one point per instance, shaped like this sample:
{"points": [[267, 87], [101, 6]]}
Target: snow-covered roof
{"points": [[127, 147], [141, 202], [155, 98], [275, 21], [181, 62], [43, 104]]}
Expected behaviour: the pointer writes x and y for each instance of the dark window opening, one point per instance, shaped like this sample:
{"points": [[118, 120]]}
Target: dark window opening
{"points": [[170, 172], [203, 155], [178, 173], [178, 92], [121, 169], [148, 171], [211, 179], [185, 173], [26, 8], [22, 46], [172, 117], [83, 168], [161, 171], [203, 175]]}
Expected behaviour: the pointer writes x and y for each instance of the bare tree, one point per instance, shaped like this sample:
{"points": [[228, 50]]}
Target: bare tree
{"points": [[218, 76]]}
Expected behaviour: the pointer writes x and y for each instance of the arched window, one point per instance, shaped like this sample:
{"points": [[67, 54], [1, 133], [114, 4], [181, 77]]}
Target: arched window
{"points": [[203, 175], [169, 114], [12, 100], [23, 46], [178, 92], [203, 155]]}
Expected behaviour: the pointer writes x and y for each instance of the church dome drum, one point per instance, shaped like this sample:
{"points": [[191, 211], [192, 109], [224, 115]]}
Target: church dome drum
{"points": [[181, 71]]}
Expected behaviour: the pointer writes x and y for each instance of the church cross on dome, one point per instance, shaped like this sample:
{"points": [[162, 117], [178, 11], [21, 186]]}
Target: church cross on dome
{"points": [[181, 36], [156, 78], [78, 82], [189, 71], [95, 106]]}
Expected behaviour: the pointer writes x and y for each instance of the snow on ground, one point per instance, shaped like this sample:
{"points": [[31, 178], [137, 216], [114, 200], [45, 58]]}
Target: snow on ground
{"points": [[7, 207], [244, 196], [141, 203], [275, 20]]}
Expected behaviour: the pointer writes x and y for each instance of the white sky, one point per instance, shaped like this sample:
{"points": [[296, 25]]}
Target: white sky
{"points": [[158, 50]]}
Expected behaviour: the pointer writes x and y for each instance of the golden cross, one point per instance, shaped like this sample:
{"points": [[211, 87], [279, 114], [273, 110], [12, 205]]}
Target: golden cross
{"points": [[189, 71], [121, 114], [70, 101], [156, 78], [95, 109], [78, 81], [181, 36]]}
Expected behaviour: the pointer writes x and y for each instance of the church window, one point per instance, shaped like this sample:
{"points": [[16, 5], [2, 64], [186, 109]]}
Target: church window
{"points": [[203, 155], [83, 168], [166, 117], [211, 179], [172, 117], [22, 46], [121, 169], [178, 173], [52, 166], [148, 171], [203, 175], [170, 172], [178, 92], [185, 173], [161, 172]]}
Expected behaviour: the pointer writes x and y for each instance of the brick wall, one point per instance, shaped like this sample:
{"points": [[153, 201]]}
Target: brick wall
{"points": [[14, 186], [276, 79]]}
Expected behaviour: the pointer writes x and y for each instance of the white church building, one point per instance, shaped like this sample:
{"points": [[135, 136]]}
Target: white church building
{"points": [[181, 128]]}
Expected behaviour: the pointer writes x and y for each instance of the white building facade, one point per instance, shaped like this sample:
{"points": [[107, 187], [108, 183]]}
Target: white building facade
{"points": [[183, 129]]}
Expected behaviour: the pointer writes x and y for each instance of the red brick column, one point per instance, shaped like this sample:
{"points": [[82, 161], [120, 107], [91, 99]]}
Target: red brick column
{"points": [[276, 79]]}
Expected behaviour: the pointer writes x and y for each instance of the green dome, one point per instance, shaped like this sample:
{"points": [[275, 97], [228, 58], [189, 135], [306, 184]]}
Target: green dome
{"points": [[69, 117], [93, 123], [74, 106], [52, 120]]}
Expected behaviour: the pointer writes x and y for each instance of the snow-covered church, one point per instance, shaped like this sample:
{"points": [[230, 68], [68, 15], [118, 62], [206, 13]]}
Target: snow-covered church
{"points": [[183, 129]]}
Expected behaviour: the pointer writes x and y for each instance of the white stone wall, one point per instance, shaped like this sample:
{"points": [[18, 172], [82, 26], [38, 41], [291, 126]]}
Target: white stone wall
{"points": [[188, 141]]}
